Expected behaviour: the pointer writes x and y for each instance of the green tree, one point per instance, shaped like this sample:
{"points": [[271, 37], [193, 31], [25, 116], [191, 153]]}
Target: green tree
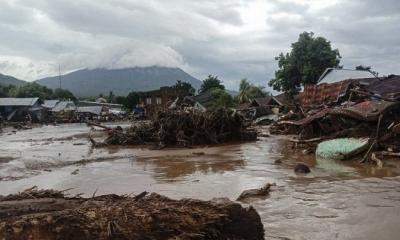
{"points": [[248, 91], [221, 98], [32, 90], [131, 100], [5, 91], [185, 86], [111, 97], [211, 82], [63, 94], [308, 59]]}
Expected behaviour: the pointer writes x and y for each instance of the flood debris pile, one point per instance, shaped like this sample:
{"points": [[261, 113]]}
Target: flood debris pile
{"points": [[349, 113], [146, 216], [186, 128]]}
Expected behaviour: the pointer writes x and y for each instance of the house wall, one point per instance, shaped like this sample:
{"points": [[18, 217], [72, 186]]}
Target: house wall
{"points": [[159, 100]]}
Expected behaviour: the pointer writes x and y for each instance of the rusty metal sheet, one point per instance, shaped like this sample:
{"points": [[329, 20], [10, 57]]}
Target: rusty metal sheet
{"points": [[324, 93], [366, 111]]}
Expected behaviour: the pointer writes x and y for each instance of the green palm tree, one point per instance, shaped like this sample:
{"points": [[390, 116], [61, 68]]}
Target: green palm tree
{"points": [[244, 89]]}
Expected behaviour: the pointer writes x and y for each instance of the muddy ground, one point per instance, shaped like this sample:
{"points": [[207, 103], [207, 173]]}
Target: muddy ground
{"points": [[338, 200]]}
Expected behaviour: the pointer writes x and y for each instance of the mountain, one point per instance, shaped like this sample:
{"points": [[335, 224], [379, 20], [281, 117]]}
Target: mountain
{"points": [[92, 82], [8, 80]]}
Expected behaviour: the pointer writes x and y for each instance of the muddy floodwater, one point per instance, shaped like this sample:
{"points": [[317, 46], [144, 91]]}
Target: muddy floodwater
{"points": [[338, 200]]}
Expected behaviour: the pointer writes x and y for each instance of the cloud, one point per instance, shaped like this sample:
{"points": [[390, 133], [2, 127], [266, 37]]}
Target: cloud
{"points": [[229, 38], [123, 55]]}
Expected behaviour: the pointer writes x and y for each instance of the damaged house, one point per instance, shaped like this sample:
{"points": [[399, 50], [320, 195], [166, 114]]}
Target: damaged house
{"points": [[351, 116], [258, 107], [334, 86], [161, 99], [17, 109]]}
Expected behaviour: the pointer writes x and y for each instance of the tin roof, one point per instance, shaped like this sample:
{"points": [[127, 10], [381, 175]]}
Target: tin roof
{"points": [[90, 109], [204, 99], [18, 101], [50, 103], [64, 106], [332, 75]]}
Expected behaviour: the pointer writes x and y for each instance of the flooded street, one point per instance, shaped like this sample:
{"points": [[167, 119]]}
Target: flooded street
{"points": [[338, 200]]}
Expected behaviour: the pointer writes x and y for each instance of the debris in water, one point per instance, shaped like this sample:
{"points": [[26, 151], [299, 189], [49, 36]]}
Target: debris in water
{"points": [[253, 193], [302, 168], [185, 128], [341, 148], [49, 214]]}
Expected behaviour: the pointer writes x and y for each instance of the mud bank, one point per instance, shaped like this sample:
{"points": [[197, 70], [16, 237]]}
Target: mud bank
{"points": [[35, 214]]}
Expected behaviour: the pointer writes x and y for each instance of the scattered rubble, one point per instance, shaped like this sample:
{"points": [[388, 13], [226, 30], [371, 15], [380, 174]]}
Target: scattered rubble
{"points": [[184, 128], [49, 214], [351, 109]]}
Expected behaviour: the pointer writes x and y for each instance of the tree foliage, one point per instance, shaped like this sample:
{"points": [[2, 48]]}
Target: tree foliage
{"points": [[308, 59], [210, 83], [32, 90], [111, 97], [5, 91], [221, 98], [248, 91], [129, 102], [63, 94], [35, 90], [184, 86]]}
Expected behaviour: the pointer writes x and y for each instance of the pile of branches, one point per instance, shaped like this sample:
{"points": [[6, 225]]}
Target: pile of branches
{"points": [[185, 128], [145, 216]]}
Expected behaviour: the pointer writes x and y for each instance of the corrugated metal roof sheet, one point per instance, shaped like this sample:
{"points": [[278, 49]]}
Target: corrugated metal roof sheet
{"points": [[50, 103], [18, 101], [386, 86], [332, 75], [64, 106], [204, 99], [88, 104], [92, 109]]}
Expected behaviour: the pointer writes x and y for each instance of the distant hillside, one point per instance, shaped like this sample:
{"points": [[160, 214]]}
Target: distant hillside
{"points": [[8, 80], [92, 82]]}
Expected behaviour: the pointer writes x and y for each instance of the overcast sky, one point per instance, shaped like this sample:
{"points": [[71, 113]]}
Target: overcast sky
{"points": [[233, 39]]}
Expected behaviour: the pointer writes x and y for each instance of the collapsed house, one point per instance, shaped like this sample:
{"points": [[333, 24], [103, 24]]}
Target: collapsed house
{"points": [[367, 109], [334, 86], [21, 109], [259, 107], [199, 102]]}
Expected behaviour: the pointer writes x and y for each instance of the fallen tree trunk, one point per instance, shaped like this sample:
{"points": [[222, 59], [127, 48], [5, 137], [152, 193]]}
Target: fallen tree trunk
{"points": [[50, 215]]}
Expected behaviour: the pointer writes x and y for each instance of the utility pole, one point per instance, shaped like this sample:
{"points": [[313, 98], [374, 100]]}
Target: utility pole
{"points": [[59, 74]]}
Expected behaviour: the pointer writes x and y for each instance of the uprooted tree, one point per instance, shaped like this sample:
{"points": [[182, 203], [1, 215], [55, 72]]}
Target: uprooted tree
{"points": [[308, 59], [173, 128]]}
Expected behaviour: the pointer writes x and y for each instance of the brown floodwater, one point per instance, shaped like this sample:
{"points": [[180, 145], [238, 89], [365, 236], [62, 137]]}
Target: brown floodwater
{"points": [[337, 200]]}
